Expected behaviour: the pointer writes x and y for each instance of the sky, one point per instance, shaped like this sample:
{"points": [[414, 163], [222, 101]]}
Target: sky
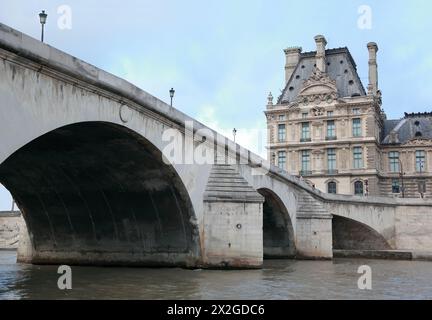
{"points": [[224, 57]]}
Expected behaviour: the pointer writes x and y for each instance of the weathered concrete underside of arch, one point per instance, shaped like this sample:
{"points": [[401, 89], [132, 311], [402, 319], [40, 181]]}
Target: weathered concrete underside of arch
{"points": [[95, 193]]}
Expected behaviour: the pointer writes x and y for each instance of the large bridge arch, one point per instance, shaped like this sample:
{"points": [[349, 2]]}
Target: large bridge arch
{"points": [[99, 193]]}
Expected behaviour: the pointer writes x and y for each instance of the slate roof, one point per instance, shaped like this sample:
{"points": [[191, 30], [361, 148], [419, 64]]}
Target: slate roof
{"points": [[413, 125], [340, 67]]}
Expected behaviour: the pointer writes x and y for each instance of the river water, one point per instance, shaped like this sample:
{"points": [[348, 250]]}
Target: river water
{"points": [[279, 279]]}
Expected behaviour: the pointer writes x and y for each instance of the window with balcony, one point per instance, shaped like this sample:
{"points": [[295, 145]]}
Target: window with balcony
{"points": [[358, 157], [395, 186], [281, 159], [331, 130], [281, 132], [305, 132], [420, 160], [358, 188], [331, 187], [394, 161], [356, 127], [331, 161], [305, 162]]}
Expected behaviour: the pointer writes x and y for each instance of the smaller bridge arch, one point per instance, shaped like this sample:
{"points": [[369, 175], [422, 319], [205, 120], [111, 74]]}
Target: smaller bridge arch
{"points": [[278, 231], [349, 234]]}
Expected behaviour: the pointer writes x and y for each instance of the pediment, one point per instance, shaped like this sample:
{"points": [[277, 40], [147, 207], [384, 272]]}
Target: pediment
{"points": [[318, 88]]}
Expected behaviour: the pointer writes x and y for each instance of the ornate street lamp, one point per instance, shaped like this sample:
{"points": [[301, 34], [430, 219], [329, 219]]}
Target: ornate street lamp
{"points": [[234, 133], [171, 92], [42, 17]]}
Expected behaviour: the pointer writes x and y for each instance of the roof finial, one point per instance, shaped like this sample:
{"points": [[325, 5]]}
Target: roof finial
{"points": [[270, 99]]}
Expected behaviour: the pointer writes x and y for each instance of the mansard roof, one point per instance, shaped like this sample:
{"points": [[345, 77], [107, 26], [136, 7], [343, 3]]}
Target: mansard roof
{"points": [[412, 126], [340, 67]]}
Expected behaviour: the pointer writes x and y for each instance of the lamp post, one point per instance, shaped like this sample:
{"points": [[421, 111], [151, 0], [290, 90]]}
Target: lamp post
{"points": [[171, 92], [42, 18], [401, 174], [234, 133]]}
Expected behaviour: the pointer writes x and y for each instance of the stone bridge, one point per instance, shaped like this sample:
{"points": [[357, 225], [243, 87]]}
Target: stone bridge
{"points": [[83, 154]]}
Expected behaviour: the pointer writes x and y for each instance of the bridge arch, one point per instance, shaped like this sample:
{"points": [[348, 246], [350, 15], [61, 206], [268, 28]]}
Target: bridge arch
{"points": [[99, 193], [349, 234], [278, 231]]}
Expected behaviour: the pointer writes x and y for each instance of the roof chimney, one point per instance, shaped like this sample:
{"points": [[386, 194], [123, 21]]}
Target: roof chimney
{"points": [[292, 56], [320, 52], [373, 68]]}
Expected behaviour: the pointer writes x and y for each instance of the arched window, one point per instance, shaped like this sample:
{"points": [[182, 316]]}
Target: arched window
{"points": [[331, 187], [358, 188]]}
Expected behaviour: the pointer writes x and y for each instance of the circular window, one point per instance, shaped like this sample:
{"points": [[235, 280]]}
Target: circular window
{"points": [[291, 88], [351, 82], [302, 67], [297, 77], [341, 62], [328, 63], [417, 123], [346, 71]]}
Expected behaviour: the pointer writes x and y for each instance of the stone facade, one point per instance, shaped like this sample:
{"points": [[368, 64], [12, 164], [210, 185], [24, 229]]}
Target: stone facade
{"points": [[328, 129], [10, 226]]}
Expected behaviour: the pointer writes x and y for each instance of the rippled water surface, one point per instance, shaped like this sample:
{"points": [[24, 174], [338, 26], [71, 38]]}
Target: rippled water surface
{"points": [[279, 279]]}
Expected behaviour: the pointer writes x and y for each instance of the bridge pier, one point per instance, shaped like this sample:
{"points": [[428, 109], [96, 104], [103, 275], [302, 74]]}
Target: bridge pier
{"points": [[233, 221], [314, 229], [314, 236]]}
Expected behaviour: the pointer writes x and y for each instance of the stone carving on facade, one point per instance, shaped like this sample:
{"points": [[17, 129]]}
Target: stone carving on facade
{"points": [[318, 111], [418, 142], [318, 88]]}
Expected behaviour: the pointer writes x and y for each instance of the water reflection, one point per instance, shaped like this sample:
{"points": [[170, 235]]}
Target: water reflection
{"points": [[279, 279]]}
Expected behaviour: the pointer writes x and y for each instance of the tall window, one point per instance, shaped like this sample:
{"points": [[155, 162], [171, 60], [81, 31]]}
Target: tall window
{"points": [[394, 161], [358, 157], [305, 131], [331, 160], [281, 132], [281, 159], [395, 186], [331, 187], [331, 129], [420, 160], [305, 161], [356, 127], [358, 188]]}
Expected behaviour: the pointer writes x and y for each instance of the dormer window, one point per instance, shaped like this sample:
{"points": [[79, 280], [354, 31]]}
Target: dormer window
{"points": [[417, 123], [418, 134]]}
